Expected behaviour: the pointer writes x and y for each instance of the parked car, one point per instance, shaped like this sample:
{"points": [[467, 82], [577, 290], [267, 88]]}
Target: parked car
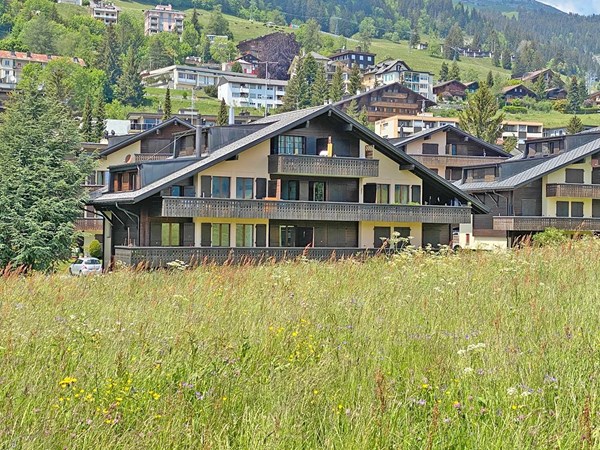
{"points": [[85, 266]]}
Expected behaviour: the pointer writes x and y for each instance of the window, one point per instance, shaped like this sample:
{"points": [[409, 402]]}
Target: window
{"points": [[286, 236], [430, 149], [317, 191], [243, 235], [576, 209], [401, 194], [383, 193], [290, 190], [169, 234], [220, 187], [220, 235], [595, 208], [132, 181], [562, 209], [574, 176], [243, 188], [290, 145], [415, 193]]}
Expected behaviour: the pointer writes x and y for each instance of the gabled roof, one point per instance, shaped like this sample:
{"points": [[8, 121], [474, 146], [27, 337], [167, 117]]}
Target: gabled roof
{"points": [[522, 86], [531, 75], [350, 52], [446, 83], [138, 136], [37, 57], [384, 87], [389, 65], [275, 125], [527, 176], [445, 128], [242, 79]]}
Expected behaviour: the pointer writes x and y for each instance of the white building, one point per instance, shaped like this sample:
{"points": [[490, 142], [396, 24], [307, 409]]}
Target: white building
{"points": [[395, 70], [185, 77], [252, 92], [72, 2], [163, 18], [105, 11]]}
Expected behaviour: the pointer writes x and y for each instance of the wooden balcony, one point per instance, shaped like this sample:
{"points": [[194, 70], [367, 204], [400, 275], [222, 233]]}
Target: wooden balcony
{"points": [[153, 257], [525, 223], [144, 157], [89, 224], [323, 166], [301, 210], [456, 160], [573, 190]]}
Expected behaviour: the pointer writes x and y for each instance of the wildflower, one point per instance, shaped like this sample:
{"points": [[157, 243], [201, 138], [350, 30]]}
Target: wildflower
{"points": [[421, 402], [315, 392], [456, 405], [67, 381], [511, 391], [425, 386], [468, 370]]}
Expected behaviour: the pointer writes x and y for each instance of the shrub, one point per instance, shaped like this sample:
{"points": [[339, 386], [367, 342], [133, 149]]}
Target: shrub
{"points": [[95, 249], [550, 237], [515, 109], [560, 106], [211, 91]]}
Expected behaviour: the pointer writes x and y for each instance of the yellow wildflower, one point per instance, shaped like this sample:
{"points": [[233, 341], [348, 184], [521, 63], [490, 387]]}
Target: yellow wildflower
{"points": [[67, 381]]}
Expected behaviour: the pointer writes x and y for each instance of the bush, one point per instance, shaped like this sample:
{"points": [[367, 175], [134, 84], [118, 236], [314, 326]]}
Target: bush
{"points": [[515, 109], [550, 237], [560, 106], [95, 249], [211, 91]]}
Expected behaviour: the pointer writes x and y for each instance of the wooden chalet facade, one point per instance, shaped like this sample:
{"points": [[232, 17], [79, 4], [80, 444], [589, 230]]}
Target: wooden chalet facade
{"points": [[555, 183], [519, 91], [312, 181], [387, 101], [450, 89]]}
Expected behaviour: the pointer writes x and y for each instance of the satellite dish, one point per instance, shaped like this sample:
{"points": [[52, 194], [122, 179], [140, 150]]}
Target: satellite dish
{"points": [[128, 159]]}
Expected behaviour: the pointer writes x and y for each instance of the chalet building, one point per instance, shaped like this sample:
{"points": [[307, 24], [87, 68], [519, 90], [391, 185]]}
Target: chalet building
{"points": [[594, 99], [186, 77], [471, 87], [330, 68], [397, 71], [421, 46], [387, 101], [510, 93], [555, 183], [351, 57], [446, 150], [556, 93], [550, 78], [252, 92], [449, 90], [143, 121], [248, 62], [308, 182], [107, 12], [163, 18], [474, 53], [404, 125]]}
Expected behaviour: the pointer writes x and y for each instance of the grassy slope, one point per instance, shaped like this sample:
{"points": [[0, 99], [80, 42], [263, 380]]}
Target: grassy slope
{"points": [[471, 351]]}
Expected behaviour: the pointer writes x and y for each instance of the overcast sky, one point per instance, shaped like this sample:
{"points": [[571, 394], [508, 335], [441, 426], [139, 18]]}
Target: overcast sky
{"points": [[575, 6]]}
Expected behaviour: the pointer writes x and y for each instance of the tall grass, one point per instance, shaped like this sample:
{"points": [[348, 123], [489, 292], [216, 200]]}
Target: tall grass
{"points": [[477, 350]]}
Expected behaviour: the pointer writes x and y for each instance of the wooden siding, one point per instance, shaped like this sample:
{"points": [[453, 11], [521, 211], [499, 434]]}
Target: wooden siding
{"points": [[324, 166], [573, 190], [523, 223]]}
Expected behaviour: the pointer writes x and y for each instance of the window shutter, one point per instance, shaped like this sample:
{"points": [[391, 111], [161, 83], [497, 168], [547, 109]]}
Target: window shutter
{"points": [[205, 234], [261, 188], [155, 234], [188, 234], [205, 186], [261, 235]]}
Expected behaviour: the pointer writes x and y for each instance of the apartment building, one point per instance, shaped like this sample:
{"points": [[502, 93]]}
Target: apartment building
{"points": [[351, 57], [397, 71], [163, 18], [312, 182], [404, 125], [187, 77], [251, 92], [107, 12]]}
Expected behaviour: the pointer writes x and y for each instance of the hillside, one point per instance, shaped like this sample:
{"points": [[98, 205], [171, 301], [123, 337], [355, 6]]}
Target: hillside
{"points": [[511, 6]]}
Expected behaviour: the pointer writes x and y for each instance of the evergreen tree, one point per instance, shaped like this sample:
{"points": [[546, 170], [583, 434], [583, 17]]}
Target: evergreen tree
{"points": [[574, 102], [320, 88], [222, 116], [490, 79], [363, 116], [237, 67], [453, 42], [195, 23], [496, 58], [309, 36], [204, 49], [575, 125], [336, 90], [100, 115], [481, 117], [539, 87], [355, 80], [366, 31], [129, 89], [218, 24], [582, 91], [444, 72], [86, 121], [40, 181], [108, 58], [167, 105], [454, 73], [506, 59], [352, 110], [415, 38]]}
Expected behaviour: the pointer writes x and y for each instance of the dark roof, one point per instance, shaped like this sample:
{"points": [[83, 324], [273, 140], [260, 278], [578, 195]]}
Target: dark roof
{"points": [[138, 136], [275, 125], [527, 176], [445, 83], [384, 86], [351, 52], [522, 86], [444, 128]]}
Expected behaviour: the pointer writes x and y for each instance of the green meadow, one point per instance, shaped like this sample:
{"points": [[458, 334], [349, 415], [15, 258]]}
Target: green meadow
{"points": [[472, 350]]}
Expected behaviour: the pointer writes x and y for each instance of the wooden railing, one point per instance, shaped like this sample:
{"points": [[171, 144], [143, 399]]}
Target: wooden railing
{"points": [[323, 165], [143, 157], [153, 257], [573, 190], [456, 160], [525, 223], [88, 224], [301, 210]]}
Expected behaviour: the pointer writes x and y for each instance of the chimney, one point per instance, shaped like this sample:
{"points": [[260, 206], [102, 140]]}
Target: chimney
{"points": [[231, 116], [358, 48]]}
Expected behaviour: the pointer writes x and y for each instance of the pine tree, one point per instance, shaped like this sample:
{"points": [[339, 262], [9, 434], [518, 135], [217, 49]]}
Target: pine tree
{"points": [[575, 125], [574, 102], [415, 38], [352, 109], [129, 90], [490, 79], [108, 59], [204, 49], [454, 72], [86, 121], [222, 117], [506, 59], [582, 91], [167, 105], [496, 58], [481, 117], [195, 23], [453, 42], [363, 116], [320, 89], [539, 87], [355, 80], [336, 90], [444, 72], [99, 114]]}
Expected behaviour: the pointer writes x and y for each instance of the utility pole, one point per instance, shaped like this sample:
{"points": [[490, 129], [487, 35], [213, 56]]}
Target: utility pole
{"points": [[266, 63]]}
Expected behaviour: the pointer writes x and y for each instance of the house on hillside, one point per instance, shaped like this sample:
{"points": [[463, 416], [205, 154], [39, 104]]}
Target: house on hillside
{"points": [[548, 75], [510, 93], [594, 99], [163, 18], [404, 125], [471, 87], [555, 183], [105, 11], [312, 182], [556, 93], [351, 57], [474, 53], [252, 92], [186, 77], [387, 101], [449, 90], [395, 70], [248, 62]]}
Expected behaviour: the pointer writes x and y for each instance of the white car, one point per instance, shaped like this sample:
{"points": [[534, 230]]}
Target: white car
{"points": [[85, 266]]}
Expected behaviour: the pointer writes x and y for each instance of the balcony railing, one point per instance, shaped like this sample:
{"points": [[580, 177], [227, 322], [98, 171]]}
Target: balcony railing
{"points": [[141, 126], [322, 165], [88, 224], [456, 160], [525, 223], [159, 256], [573, 190], [301, 210], [143, 157]]}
